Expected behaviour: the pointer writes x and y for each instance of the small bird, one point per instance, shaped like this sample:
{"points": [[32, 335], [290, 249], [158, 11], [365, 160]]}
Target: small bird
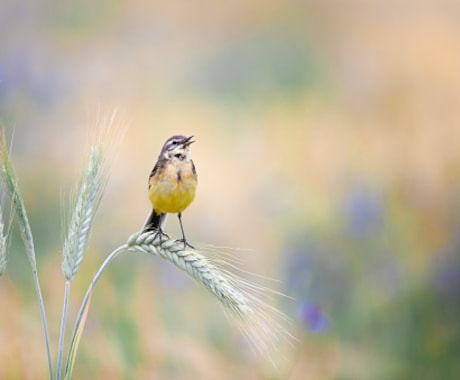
{"points": [[172, 184]]}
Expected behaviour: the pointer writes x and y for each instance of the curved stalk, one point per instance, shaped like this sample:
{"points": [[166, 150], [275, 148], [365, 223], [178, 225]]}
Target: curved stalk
{"points": [[74, 340], [43, 317]]}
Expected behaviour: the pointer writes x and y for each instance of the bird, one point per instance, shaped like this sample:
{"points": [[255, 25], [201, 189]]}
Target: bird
{"points": [[171, 185]]}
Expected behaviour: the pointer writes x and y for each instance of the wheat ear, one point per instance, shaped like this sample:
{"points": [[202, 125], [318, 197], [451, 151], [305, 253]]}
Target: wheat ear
{"points": [[261, 323], [195, 265], [88, 197]]}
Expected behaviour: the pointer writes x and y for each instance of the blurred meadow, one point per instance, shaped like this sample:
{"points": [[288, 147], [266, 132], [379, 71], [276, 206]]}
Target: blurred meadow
{"points": [[328, 149]]}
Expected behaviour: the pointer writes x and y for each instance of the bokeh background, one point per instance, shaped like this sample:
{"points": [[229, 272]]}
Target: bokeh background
{"points": [[328, 146]]}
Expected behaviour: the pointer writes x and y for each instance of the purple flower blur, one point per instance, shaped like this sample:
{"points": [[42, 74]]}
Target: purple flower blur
{"points": [[363, 209], [313, 316]]}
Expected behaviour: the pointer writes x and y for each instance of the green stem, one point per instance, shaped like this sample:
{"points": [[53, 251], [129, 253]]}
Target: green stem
{"points": [[43, 316], [101, 270], [62, 333]]}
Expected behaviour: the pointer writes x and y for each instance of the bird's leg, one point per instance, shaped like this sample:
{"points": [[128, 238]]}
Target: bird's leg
{"points": [[184, 240], [160, 234]]}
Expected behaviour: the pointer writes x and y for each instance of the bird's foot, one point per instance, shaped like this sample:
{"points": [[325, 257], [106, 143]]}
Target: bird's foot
{"points": [[160, 235], [186, 243]]}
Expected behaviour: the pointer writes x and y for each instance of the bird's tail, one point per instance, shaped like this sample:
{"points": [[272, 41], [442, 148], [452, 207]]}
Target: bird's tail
{"points": [[154, 221]]}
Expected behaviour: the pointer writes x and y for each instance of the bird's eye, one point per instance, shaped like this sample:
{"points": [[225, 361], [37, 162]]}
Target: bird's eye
{"points": [[173, 144]]}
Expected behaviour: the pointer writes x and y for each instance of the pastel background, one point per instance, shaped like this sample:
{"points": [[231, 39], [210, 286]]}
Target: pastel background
{"points": [[328, 146]]}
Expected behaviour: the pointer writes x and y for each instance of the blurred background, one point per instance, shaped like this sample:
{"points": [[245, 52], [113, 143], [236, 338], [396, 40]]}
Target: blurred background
{"points": [[328, 147]]}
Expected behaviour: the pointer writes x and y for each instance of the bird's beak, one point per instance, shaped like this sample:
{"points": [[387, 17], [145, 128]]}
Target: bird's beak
{"points": [[188, 141]]}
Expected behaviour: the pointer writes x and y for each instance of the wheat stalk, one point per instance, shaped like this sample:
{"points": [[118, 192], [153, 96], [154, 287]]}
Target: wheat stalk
{"points": [[3, 262], [258, 321], [11, 182], [88, 199], [12, 187], [79, 324]]}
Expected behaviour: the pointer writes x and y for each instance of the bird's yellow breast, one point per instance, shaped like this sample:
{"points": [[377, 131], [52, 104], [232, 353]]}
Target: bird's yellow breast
{"points": [[172, 189]]}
